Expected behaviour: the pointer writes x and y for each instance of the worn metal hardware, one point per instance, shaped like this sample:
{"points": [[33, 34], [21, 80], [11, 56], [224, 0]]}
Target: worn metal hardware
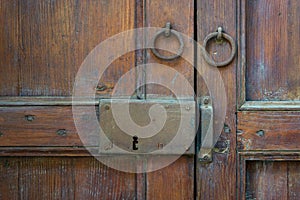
{"points": [[162, 127], [206, 123], [167, 32], [219, 35]]}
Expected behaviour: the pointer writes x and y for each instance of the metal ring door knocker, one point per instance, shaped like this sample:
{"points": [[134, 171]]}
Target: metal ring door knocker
{"points": [[167, 32], [219, 35]]}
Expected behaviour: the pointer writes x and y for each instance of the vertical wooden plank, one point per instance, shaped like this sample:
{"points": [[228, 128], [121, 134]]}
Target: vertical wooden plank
{"points": [[293, 184], [93, 180], [9, 54], [45, 42], [176, 181], [45, 178], [9, 185], [217, 180], [272, 40], [267, 180], [158, 13]]}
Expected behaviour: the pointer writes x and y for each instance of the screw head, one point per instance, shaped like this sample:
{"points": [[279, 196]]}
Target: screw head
{"points": [[187, 108], [106, 107], [206, 100]]}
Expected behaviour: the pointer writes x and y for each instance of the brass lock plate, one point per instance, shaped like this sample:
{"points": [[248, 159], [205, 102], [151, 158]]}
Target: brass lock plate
{"points": [[147, 126]]}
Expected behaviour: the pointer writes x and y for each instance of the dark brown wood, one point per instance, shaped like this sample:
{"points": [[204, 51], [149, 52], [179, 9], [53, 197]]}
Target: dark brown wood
{"points": [[268, 130], [62, 178], [176, 181], [217, 180], [158, 13], [93, 180], [268, 95], [42, 130], [272, 41], [267, 180], [253, 160], [44, 43]]}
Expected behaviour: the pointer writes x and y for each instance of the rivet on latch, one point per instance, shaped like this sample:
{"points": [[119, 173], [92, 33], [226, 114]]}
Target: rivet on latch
{"points": [[206, 100], [187, 108], [29, 118], [61, 132], [107, 107], [168, 29]]}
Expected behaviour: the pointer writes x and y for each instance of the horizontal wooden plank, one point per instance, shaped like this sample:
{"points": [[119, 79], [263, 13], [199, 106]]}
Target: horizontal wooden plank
{"points": [[63, 178], [269, 130], [46, 101], [42, 126], [270, 106]]}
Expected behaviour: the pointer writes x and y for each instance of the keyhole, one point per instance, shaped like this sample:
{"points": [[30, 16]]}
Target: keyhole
{"points": [[135, 142]]}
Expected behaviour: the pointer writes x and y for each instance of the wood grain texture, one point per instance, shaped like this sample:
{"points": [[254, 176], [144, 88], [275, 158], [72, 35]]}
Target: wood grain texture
{"points": [[259, 171], [62, 178], [269, 130], [17, 130], [94, 180], [273, 47], [158, 13], [176, 181], [272, 180], [44, 43], [217, 180]]}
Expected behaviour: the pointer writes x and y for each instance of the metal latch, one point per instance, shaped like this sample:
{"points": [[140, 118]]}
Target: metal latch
{"points": [[206, 123], [131, 126]]}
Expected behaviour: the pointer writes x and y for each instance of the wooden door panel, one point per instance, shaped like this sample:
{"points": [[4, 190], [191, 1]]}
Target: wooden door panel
{"points": [[272, 180], [268, 130], [43, 126], [268, 94], [158, 13], [217, 180], [272, 54], [62, 178], [45, 42]]}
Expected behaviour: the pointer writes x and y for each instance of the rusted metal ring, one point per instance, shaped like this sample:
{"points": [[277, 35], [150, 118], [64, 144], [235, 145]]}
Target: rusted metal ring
{"points": [[209, 59], [166, 33]]}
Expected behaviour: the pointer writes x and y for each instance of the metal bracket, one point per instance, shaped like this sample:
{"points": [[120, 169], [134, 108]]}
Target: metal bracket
{"points": [[206, 123]]}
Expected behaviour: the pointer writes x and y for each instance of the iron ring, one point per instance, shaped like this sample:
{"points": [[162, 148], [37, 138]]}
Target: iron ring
{"points": [[208, 58], [163, 32]]}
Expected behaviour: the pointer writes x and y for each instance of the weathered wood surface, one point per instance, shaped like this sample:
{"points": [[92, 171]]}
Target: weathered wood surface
{"points": [[217, 180], [272, 50], [44, 43], [272, 180], [42, 126], [268, 130], [63, 178]]}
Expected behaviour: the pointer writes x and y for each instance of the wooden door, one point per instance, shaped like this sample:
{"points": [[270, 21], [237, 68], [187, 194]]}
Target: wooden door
{"points": [[43, 44], [269, 86]]}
